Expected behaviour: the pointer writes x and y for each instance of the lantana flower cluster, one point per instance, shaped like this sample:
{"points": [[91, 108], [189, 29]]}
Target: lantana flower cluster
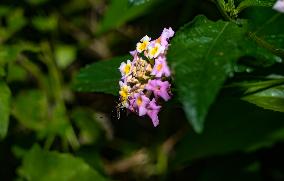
{"points": [[145, 79]]}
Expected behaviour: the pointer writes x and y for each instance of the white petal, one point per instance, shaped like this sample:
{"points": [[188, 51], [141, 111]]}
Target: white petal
{"points": [[145, 38], [121, 68], [279, 6], [121, 84], [128, 62]]}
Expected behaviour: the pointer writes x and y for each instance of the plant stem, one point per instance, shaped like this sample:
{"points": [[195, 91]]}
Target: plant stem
{"points": [[266, 45], [34, 70], [48, 142], [221, 7], [56, 91], [55, 82]]}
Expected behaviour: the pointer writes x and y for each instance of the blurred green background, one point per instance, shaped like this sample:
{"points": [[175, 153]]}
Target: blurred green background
{"points": [[51, 130]]}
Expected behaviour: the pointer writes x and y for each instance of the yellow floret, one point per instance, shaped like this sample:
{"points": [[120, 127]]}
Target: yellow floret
{"points": [[139, 101], [123, 92], [142, 46], [153, 51], [159, 67], [127, 69]]}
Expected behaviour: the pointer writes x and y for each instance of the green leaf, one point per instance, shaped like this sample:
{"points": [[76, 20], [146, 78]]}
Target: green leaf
{"points": [[202, 55], [5, 96], [45, 23], [65, 55], [39, 116], [249, 3], [16, 73], [37, 2], [196, 69], [272, 98], [40, 165], [119, 12], [2, 71], [34, 115], [10, 52], [102, 76], [264, 29], [92, 157], [16, 20], [249, 87], [232, 125], [60, 125], [137, 2], [4, 10]]}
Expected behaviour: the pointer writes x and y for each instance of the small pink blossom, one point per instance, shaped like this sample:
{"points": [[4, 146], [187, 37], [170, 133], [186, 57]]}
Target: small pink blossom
{"points": [[155, 49], [159, 88], [141, 101], [131, 105], [161, 68], [133, 53], [152, 111], [166, 35]]}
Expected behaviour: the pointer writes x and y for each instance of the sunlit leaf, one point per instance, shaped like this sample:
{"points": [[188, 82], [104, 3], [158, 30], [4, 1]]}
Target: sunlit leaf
{"points": [[65, 55], [272, 98], [138, 2], [249, 87], [45, 23], [248, 3]]}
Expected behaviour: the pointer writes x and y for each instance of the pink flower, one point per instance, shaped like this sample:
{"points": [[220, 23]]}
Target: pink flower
{"points": [[133, 53], [279, 6], [159, 88], [141, 101], [155, 49], [166, 35], [125, 68], [152, 112], [161, 67], [131, 105], [141, 78]]}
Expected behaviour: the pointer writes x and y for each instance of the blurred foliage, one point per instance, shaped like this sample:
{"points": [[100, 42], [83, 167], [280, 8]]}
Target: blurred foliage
{"points": [[5, 98], [59, 90], [55, 166]]}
